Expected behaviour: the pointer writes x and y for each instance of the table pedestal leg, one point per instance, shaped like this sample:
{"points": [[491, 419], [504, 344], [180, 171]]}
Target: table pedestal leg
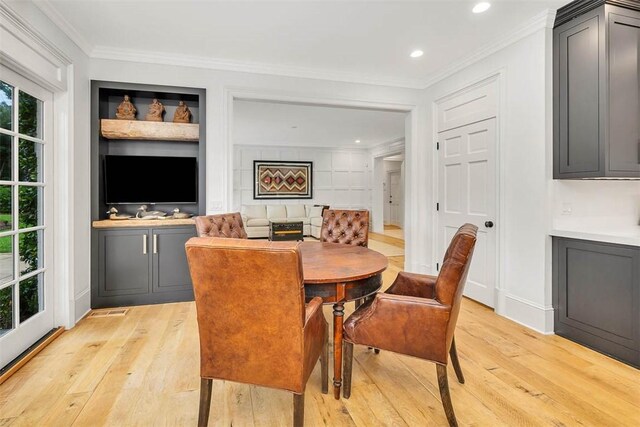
{"points": [[338, 315]]}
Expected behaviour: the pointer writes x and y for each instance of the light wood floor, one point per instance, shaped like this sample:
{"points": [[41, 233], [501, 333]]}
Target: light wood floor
{"points": [[142, 369]]}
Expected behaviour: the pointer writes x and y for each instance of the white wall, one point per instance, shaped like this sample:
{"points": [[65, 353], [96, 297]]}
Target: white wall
{"points": [[339, 178], [591, 203], [523, 219], [71, 156]]}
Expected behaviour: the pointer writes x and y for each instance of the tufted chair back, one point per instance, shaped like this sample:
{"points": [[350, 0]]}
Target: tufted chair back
{"points": [[224, 225], [346, 227]]}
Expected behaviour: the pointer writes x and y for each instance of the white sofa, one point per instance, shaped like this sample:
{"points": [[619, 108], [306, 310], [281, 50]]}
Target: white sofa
{"points": [[256, 218]]}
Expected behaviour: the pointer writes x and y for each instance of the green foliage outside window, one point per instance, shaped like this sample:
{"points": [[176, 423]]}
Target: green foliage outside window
{"points": [[28, 202]]}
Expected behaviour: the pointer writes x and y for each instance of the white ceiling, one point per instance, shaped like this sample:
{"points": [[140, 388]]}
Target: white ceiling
{"points": [[345, 40], [272, 124]]}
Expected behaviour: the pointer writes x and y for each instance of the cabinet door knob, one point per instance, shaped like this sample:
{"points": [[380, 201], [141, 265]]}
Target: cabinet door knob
{"points": [[488, 224]]}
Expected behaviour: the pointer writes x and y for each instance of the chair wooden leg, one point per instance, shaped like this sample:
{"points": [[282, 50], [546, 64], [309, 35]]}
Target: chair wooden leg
{"points": [[298, 410], [324, 363], [348, 365], [205, 401], [443, 384], [455, 362]]}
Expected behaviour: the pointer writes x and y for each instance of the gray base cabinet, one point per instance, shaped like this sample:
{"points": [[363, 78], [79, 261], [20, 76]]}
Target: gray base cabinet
{"points": [[596, 293], [138, 266]]}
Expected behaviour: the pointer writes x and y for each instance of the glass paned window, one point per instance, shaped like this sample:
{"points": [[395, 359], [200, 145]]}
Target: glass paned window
{"points": [[29, 161], [6, 106], [6, 144], [29, 206], [6, 310], [31, 294], [6, 259], [30, 247], [30, 115], [6, 208]]}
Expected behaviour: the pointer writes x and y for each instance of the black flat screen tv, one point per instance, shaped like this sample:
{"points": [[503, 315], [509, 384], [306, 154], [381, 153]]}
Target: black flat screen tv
{"points": [[153, 180]]}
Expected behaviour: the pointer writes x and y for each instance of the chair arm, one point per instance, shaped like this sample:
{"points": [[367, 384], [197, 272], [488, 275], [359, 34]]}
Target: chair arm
{"points": [[315, 335], [402, 324], [413, 284], [314, 305]]}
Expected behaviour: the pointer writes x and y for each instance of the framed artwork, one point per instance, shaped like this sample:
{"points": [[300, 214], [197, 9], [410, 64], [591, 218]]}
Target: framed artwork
{"points": [[282, 180]]}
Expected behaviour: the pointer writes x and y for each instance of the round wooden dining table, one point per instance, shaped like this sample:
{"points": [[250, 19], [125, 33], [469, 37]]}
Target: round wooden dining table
{"points": [[340, 273]]}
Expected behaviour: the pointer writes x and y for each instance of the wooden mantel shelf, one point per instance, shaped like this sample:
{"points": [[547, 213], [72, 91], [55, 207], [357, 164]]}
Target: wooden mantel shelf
{"points": [[144, 130]]}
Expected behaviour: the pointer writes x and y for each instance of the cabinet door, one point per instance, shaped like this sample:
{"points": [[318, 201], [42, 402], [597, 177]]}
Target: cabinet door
{"points": [[623, 153], [578, 79], [170, 268], [597, 289], [124, 262]]}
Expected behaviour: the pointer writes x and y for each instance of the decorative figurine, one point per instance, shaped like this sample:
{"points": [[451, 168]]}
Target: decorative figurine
{"points": [[182, 114], [180, 215], [113, 214], [126, 110], [156, 109]]}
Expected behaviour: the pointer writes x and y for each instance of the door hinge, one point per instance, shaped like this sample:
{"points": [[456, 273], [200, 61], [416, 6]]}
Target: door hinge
{"points": [[437, 206], [437, 266], [437, 145]]}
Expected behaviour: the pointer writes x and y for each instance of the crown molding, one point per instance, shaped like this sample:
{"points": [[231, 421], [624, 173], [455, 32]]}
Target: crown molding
{"points": [[16, 25], [165, 58], [542, 20], [60, 21]]}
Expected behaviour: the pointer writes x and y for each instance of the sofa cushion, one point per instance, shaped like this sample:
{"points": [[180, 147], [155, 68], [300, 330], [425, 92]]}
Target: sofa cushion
{"points": [[257, 222], [317, 221], [315, 212], [276, 211], [254, 211], [295, 211]]}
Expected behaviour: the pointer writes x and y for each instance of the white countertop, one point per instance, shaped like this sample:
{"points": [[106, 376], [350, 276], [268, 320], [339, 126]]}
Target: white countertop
{"points": [[619, 234]]}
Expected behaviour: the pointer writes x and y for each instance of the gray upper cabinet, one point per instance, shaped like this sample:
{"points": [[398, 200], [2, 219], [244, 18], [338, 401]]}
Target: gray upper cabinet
{"points": [[596, 91]]}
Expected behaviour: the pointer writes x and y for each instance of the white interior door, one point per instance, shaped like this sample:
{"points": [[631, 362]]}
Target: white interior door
{"points": [[467, 193], [395, 197], [26, 294]]}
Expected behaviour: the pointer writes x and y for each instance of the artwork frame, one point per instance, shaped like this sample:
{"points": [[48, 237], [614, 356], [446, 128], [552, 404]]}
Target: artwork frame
{"points": [[271, 180]]}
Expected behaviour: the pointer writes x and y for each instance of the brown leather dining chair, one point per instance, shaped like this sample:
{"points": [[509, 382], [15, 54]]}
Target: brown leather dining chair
{"points": [[253, 324], [223, 225], [350, 227], [417, 316]]}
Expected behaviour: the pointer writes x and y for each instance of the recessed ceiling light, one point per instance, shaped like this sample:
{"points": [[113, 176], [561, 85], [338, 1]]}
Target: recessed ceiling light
{"points": [[357, 141], [294, 127], [416, 53], [481, 7]]}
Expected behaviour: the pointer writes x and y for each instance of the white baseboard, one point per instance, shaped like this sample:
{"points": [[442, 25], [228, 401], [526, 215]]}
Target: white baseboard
{"points": [[527, 313], [82, 305]]}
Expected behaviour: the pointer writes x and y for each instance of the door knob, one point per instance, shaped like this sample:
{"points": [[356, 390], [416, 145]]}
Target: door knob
{"points": [[488, 224]]}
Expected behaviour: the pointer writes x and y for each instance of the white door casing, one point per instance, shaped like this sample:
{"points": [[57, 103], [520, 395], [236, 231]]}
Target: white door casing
{"points": [[467, 182]]}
